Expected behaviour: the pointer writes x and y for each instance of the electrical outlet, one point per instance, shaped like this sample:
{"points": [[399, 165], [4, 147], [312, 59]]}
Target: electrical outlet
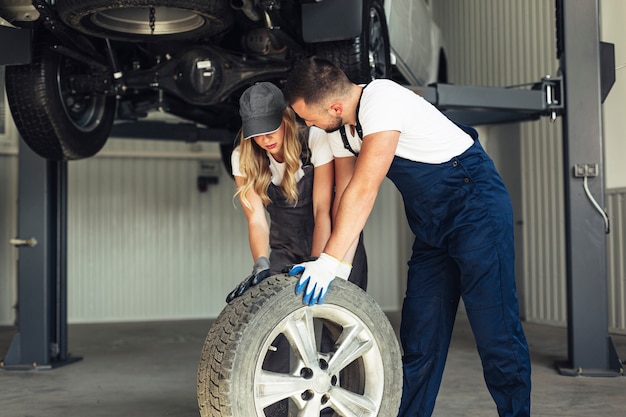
{"points": [[585, 170]]}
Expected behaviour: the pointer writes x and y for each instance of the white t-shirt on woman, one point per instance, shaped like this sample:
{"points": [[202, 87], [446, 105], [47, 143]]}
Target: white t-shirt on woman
{"points": [[321, 154]]}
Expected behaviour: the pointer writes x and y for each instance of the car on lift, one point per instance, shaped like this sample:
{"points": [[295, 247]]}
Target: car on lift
{"points": [[76, 68]]}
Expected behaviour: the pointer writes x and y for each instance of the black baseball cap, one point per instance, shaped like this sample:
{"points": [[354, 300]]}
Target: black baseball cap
{"points": [[261, 109]]}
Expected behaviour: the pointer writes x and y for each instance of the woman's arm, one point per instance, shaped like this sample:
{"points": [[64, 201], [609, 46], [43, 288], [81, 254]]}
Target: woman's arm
{"points": [[323, 181], [258, 228]]}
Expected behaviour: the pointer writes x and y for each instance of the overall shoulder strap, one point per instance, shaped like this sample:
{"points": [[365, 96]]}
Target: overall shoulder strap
{"points": [[344, 139], [359, 129], [305, 155]]}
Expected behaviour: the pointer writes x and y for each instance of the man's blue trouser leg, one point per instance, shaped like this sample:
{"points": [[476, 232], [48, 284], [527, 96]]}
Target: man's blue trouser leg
{"points": [[428, 315], [461, 215]]}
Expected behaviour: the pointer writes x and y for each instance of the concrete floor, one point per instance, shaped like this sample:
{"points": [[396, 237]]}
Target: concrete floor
{"points": [[149, 370]]}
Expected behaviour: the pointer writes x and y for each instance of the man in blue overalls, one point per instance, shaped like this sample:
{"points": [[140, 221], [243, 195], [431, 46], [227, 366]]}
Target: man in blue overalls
{"points": [[459, 210]]}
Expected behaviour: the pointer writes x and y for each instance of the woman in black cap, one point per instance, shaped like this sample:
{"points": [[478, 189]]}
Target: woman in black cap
{"points": [[287, 169]]}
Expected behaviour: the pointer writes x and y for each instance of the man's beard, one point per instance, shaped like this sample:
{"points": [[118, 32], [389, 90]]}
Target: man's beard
{"points": [[336, 123]]}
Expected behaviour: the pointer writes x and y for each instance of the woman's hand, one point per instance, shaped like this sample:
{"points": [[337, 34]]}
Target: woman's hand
{"points": [[260, 271]]}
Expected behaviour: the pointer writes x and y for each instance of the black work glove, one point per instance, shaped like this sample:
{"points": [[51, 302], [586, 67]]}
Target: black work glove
{"points": [[260, 271]]}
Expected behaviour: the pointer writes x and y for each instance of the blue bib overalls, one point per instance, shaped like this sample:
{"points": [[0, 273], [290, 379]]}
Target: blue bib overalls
{"points": [[461, 215]]}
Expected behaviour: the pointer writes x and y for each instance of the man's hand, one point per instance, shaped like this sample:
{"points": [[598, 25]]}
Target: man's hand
{"points": [[260, 271], [316, 277]]}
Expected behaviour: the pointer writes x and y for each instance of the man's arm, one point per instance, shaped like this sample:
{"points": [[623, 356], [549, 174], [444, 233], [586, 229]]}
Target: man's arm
{"points": [[355, 206], [323, 178], [344, 169], [357, 201]]}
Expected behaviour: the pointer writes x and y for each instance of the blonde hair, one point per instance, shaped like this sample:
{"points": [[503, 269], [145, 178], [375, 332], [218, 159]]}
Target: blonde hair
{"points": [[255, 168]]}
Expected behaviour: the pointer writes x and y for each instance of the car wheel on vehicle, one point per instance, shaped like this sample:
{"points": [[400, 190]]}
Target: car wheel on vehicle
{"points": [[356, 370], [135, 20], [55, 120], [367, 57]]}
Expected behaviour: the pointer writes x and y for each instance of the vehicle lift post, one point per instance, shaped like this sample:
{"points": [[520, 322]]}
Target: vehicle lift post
{"points": [[591, 351], [41, 340]]}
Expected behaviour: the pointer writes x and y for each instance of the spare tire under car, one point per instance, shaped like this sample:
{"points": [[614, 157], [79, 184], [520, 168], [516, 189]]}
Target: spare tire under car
{"points": [[56, 122], [361, 375]]}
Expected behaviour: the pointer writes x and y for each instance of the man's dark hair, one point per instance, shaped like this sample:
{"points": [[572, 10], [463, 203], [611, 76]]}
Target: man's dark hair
{"points": [[315, 80]]}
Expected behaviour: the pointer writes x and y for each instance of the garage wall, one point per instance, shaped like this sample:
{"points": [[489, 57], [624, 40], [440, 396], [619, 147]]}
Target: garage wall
{"points": [[8, 210], [8, 199], [612, 29], [612, 14], [145, 244], [616, 258], [506, 43]]}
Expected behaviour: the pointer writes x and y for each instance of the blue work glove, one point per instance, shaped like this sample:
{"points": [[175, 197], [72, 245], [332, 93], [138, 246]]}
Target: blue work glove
{"points": [[260, 271], [316, 277]]}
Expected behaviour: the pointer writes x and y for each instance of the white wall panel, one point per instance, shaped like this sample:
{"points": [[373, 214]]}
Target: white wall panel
{"points": [[613, 30], [8, 230], [544, 245], [144, 243], [616, 259], [387, 238], [8, 210]]}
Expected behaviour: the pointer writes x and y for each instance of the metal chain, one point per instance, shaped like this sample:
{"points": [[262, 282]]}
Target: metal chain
{"points": [[152, 20]]}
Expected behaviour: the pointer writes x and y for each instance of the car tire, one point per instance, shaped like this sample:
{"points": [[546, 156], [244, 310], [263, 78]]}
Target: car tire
{"points": [[55, 122], [359, 374], [129, 20], [367, 57]]}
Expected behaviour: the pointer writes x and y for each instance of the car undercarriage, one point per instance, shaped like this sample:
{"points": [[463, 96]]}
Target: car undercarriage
{"points": [[94, 63]]}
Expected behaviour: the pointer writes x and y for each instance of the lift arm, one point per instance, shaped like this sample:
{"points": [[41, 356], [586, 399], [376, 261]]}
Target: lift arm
{"points": [[475, 105]]}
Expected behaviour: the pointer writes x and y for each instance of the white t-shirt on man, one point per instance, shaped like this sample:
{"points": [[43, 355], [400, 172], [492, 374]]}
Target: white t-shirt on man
{"points": [[426, 134]]}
